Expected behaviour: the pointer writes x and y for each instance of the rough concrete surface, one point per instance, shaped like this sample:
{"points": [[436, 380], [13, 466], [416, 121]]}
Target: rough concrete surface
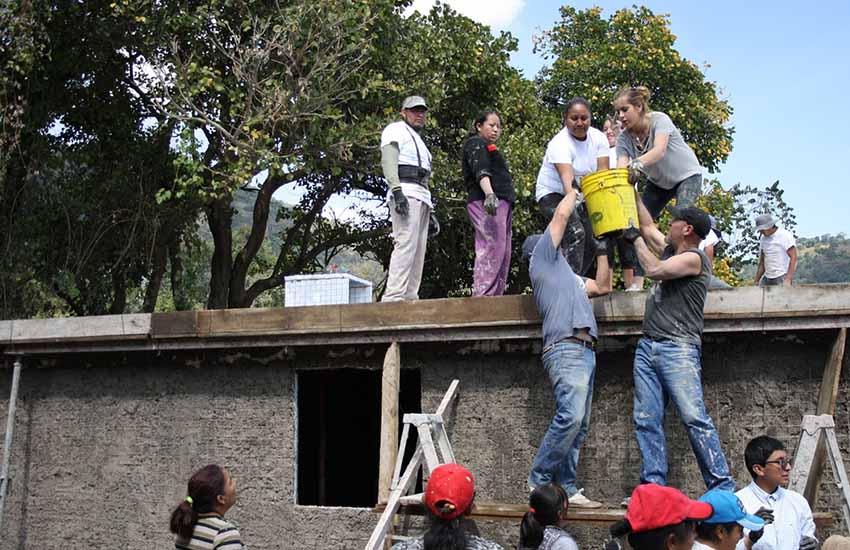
{"points": [[104, 443]]}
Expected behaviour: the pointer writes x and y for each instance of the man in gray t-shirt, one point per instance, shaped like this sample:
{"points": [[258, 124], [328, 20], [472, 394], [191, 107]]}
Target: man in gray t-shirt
{"points": [[569, 339], [667, 358]]}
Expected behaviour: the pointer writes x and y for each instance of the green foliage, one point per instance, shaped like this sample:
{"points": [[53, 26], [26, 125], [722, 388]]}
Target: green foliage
{"points": [[593, 57], [824, 259]]}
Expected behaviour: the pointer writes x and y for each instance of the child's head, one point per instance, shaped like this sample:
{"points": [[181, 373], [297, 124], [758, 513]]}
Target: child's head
{"points": [[660, 517], [767, 461], [547, 505], [728, 519]]}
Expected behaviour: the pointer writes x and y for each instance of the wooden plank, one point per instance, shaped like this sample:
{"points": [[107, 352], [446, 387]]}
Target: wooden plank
{"points": [[100, 327], [741, 302], [389, 420], [5, 332], [315, 319], [826, 405], [599, 516], [432, 313], [174, 324], [782, 301]]}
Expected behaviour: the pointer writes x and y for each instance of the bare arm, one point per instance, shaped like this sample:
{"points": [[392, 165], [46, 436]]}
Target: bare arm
{"points": [[659, 149], [602, 163], [565, 208], [485, 184], [760, 270], [567, 175], [709, 251], [648, 230], [792, 267], [622, 161], [601, 285], [686, 264]]}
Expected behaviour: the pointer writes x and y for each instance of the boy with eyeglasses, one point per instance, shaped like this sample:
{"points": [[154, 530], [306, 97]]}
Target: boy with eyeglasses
{"points": [[790, 525]]}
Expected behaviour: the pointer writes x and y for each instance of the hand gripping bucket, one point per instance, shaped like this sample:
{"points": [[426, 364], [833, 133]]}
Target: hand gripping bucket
{"points": [[610, 201]]}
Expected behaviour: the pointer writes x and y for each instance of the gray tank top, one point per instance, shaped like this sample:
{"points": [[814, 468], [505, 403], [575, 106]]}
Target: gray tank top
{"points": [[674, 309]]}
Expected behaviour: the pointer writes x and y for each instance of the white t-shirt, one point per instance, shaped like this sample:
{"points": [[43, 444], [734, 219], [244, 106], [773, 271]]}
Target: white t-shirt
{"points": [[709, 240], [408, 141], [775, 250], [612, 157], [565, 149], [792, 517]]}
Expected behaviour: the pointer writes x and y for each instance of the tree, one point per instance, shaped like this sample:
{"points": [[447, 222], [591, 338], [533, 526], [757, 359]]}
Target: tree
{"points": [[593, 57]]}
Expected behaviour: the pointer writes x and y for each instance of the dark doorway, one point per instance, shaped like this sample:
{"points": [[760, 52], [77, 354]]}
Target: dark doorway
{"points": [[339, 428]]}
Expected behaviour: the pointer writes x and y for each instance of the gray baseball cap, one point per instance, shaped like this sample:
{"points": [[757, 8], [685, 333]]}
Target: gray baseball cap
{"points": [[764, 221], [414, 101]]}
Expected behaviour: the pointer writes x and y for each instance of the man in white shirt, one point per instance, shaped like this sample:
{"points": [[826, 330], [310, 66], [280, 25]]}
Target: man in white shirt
{"points": [[406, 164], [778, 253], [790, 525]]}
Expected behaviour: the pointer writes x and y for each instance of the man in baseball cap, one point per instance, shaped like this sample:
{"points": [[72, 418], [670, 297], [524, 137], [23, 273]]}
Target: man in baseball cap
{"points": [[725, 527], [668, 355], [406, 163]]}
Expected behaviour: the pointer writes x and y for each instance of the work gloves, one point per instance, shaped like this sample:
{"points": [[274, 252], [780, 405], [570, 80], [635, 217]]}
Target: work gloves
{"points": [[491, 204], [402, 207], [631, 234], [635, 171], [600, 246], [809, 543], [433, 226], [767, 515]]}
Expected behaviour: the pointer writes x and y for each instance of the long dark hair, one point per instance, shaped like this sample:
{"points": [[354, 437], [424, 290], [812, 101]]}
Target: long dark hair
{"points": [[481, 119], [545, 505], [444, 534], [204, 486], [653, 539]]}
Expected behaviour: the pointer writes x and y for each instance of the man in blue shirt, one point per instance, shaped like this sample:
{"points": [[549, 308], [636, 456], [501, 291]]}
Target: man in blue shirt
{"points": [[569, 340]]}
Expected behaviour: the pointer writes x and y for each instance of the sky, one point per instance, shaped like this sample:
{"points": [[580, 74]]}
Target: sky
{"points": [[783, 66]]}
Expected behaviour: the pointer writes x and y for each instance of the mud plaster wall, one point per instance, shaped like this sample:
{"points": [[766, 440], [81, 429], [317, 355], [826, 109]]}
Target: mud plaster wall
{"points": [[104, 443]]}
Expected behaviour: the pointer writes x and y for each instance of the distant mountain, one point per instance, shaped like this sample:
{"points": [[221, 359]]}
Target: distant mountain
{"points": [[347, 261], [824, 259]]}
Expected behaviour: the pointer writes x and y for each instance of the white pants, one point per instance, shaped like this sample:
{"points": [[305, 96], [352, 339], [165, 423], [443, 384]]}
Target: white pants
{"points": [[410, 237]]}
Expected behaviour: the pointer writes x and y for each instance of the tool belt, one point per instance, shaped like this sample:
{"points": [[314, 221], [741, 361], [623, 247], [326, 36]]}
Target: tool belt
{"points": [[413, 174]]}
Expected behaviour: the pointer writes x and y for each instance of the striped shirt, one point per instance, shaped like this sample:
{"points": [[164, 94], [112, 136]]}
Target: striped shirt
{"points": [[211, 533]]}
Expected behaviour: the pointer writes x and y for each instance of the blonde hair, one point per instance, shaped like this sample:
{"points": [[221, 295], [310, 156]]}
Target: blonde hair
{"points": [[638, 96]]}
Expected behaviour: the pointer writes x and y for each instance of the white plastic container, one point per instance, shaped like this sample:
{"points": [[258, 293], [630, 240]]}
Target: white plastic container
{"points": [[326, 289]]}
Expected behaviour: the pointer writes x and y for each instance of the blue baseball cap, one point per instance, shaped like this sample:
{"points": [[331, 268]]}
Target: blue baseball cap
{"points": [[727, 508]]}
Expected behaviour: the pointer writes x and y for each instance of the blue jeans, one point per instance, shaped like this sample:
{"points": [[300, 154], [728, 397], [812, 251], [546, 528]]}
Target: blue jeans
{"points": [[666, 370], [570, 367]]}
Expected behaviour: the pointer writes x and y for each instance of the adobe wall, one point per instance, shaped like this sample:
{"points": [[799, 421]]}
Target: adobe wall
{"points": [[104, 442]]}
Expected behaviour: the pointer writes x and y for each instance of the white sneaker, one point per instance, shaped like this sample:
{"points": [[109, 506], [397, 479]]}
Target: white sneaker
{"points": [[580, 501], [634, 288]]}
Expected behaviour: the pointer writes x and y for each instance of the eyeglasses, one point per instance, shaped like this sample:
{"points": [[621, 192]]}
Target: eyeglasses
{"points": [[782, 463]]}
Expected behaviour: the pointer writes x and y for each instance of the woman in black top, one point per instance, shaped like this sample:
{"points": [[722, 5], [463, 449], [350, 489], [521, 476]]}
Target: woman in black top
{"points": [[489, 203]]}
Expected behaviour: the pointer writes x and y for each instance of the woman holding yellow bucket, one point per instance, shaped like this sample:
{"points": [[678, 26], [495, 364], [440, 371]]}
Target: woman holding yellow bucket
{"points": [[652, 147], [577, 150]]}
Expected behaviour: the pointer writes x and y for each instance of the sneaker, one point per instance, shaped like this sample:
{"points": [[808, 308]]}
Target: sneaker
{"points": [[580, 501], [634, 288], [625, 502]]}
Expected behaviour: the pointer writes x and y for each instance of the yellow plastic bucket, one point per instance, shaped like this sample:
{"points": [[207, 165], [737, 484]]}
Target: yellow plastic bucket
{"points": [[610, 201]]}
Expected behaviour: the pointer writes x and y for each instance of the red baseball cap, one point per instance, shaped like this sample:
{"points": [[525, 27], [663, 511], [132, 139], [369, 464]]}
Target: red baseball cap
{"points": [[653, 506], [452, 484]]}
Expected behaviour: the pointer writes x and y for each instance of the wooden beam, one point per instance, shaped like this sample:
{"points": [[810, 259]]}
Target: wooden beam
{"points": [[514, 512], [826, 405], [389, 420]]}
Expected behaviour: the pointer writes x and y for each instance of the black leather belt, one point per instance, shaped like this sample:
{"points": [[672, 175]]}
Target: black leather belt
{"points": [[589, 344]]}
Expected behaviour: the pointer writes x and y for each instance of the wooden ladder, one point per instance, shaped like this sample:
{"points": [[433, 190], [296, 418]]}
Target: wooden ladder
{"points": [[432, 449], [815, 426]]}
